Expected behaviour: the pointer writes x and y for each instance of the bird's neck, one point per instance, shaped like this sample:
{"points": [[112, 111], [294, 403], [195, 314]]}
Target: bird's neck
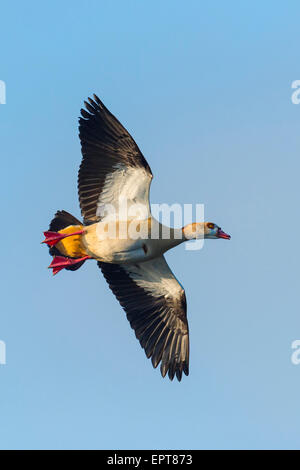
{"points": [[171, 237], [193, 231]]}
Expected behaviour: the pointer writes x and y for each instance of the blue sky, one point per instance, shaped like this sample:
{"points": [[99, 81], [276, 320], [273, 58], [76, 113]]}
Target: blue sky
{"points": [[205, 89]]}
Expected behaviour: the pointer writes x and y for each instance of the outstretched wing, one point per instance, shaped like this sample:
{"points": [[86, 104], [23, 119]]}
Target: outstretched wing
{"points": [[155, 305], [112, 167]]}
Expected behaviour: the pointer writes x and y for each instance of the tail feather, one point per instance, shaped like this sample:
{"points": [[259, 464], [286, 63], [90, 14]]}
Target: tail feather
{"points": [[61, 221]]}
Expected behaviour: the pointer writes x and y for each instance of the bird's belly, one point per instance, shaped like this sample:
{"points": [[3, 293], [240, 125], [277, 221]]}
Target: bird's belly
{"points": [[122, 252], [114, 250], [125, 249]]}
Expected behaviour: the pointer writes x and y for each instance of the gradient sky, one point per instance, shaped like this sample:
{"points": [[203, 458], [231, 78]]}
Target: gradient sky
{"points": [[205, 89]]}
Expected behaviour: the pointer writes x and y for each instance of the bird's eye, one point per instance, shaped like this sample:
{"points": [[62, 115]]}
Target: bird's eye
{"points": [[211, 225]]}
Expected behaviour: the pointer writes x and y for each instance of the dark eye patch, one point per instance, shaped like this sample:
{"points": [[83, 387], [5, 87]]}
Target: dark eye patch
{"points": [[211, 225]]}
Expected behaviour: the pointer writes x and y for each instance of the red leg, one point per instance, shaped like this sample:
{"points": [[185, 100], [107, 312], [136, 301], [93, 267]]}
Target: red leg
{"points": [[54, 237], [60, 262]]}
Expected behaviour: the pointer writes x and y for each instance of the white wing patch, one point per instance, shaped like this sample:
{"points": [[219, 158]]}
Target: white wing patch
{"points": [[156, 278], [125, 194]]}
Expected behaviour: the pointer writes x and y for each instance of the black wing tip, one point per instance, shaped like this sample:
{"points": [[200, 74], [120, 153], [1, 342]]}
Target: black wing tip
{"points": [[84, 114], [93, 106], [174, 369], [97, 99], [171, 367]]}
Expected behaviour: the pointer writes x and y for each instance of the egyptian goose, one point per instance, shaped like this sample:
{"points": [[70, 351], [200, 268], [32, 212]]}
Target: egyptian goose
{"points": [[113, 169]]}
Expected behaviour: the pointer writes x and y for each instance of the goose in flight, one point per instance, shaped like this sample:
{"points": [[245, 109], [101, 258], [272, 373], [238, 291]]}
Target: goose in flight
{"points": [[113, 172]]}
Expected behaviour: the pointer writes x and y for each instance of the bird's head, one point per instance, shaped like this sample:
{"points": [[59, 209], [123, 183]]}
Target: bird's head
{"points": [[212, 230], [204, 230]]}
